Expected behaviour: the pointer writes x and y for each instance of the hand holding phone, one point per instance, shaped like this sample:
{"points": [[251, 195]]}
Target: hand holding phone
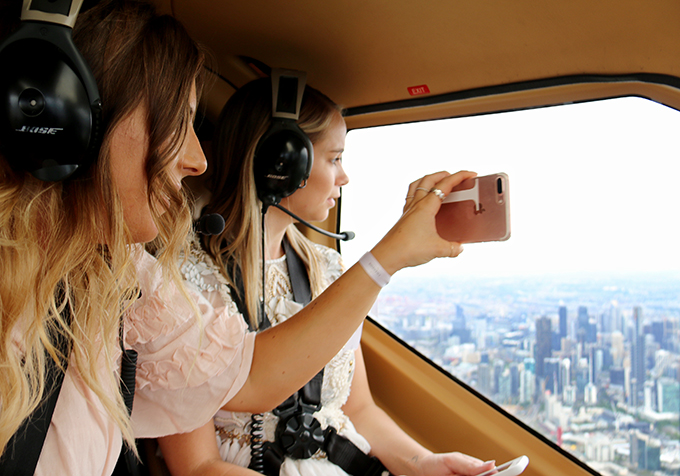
{"points": [[511, 468], [476, 210]]}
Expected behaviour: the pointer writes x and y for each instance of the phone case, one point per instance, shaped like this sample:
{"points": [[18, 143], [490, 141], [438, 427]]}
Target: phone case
{"points": [[511, 468], [477, 210]]}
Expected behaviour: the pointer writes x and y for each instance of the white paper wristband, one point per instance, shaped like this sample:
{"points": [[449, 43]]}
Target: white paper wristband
{"points": [[374, 269]]}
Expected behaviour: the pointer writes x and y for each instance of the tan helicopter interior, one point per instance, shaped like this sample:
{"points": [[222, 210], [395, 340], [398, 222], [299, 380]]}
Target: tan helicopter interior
{"points": [[474, 57]]}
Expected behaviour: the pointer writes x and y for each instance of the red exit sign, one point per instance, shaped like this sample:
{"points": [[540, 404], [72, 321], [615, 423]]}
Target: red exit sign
{"points": [[418, 90]]}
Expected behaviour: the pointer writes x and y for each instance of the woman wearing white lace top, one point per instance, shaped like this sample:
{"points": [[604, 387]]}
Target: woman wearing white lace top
{"points": [[213, 264]]}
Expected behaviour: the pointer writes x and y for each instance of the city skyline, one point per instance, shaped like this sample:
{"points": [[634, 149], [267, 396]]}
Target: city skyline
{"points": [[583, 399]]}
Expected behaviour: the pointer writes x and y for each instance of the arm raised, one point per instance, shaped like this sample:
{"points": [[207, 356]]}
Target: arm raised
{"points": [[289, 354]]}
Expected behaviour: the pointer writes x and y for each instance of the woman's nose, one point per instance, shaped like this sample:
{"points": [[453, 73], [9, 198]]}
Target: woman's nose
{"points": [[342, 178], [193, 162]]}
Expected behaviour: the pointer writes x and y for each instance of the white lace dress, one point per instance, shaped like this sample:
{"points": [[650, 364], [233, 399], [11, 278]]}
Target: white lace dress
{"points": [[233, 429]]}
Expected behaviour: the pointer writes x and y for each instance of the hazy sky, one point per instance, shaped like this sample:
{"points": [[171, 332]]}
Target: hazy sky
{"points": [[593, 187]]}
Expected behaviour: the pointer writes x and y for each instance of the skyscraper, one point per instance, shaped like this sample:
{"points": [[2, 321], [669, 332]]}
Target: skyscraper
{"points": [[637, 358], [563, 321], [543, 343], [668, 395], [565, 373], [582, 324], [551, 368]]}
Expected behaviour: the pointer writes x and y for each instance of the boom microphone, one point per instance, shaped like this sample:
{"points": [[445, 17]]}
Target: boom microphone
{"points": [[344, 235], [210, 224]]}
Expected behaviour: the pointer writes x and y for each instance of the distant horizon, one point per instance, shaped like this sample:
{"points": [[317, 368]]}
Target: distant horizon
{"points": [[657, 294], [414, 273]]}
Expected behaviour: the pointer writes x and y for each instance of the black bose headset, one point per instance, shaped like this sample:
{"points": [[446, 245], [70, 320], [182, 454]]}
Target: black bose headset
{"points": [[284, 154], [50, 108]]}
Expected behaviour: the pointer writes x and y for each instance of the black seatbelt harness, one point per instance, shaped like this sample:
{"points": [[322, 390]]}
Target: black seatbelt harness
{"points": [[22, 452], [298, 434], [128, 371]]}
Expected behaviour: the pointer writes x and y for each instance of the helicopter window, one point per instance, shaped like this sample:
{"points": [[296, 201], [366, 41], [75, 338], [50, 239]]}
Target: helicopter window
{"points": [[573, 324]]}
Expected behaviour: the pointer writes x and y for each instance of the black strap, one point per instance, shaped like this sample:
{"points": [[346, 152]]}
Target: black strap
{"points": [[342, 452], [22, 452], [299, 279], [339, 451], [237, 295], [128, 371]]}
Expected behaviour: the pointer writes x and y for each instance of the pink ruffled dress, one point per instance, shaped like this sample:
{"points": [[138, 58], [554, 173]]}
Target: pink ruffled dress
{"points": [[187, 369]]}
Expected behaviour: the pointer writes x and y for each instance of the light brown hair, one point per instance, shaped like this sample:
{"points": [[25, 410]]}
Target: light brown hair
{"points": [[243, 121], [51, 233]]}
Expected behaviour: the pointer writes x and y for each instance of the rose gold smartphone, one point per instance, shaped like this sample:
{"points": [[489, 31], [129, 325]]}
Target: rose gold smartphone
{"points": [[476, 210]]}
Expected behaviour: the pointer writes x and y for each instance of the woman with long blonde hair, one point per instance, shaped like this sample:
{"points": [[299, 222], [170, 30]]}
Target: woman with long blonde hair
{"points": [[227, 269], [71, 244]]}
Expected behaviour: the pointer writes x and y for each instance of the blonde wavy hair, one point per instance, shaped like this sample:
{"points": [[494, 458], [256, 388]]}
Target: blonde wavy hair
{"points": [[51, 233], [238, 249]]}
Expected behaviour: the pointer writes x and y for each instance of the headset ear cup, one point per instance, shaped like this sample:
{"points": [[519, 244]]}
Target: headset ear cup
{"points": [[283, 160], [50, 111]]}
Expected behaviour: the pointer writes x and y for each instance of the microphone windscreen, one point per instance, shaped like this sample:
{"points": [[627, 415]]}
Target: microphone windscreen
{"points": [[211, 224], [349, 235]]}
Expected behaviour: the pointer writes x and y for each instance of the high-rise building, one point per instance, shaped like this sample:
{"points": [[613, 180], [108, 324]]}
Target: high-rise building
{"points": [[563, 321], [617, 376], [658, 332], [498, 367], [618, 349], [459, 321], [514, 378], [480, 333], [650, 403], [460, 328], [543, 345], [565, 373], [569, 395], [597, 363], [485, 378], [654, 455], [582, 320], [668, 396], [527, 385], [616, 318], [638, 450], [582, 377], [551, 369], [638, 374], [505, 386], [645, 452], [590, 394]]}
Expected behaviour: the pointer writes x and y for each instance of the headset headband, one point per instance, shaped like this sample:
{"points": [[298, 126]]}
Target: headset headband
{"points": [[59, 12], [288, 87]]}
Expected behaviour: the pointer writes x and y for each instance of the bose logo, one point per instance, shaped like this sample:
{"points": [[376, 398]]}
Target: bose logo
{"points": [[277, 177], [40, 130]]}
